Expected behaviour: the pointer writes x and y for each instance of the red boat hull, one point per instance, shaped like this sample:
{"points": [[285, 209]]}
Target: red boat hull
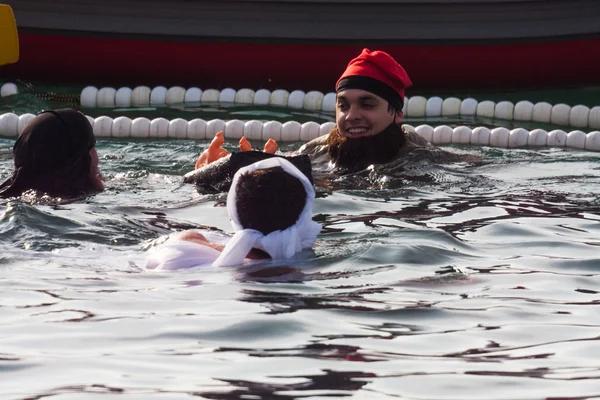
{"points": [[114, 61]]}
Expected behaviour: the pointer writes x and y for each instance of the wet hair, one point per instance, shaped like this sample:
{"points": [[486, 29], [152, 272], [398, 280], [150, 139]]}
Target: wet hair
{"points": [[269, 200], [52, 156], [392, 109]]}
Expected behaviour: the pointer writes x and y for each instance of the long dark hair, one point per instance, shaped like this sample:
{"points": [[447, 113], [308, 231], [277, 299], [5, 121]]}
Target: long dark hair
{"points": [[52, 156]]}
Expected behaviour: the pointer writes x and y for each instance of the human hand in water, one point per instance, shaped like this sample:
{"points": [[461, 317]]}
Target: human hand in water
{"points": [[215, 150]]}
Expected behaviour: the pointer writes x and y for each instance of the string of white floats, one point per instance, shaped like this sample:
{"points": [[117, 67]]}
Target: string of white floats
{"points": [[12, 125], [292, 131], [579, 116]]}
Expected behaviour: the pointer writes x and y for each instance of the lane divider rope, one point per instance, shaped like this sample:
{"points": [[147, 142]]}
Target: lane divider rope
{"points": [[12, 124], [579, 116]]}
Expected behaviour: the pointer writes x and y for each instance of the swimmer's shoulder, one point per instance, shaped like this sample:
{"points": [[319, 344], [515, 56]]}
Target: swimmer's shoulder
{"points": [[413, 139], [315, 147]]}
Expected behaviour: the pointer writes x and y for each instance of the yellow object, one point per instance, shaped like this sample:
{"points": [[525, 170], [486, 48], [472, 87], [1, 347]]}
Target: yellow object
{"points": [[9, 40]]}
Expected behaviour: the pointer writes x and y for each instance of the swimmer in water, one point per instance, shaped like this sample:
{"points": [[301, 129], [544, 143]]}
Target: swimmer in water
{"points": [[270, 207], [369, 130], [55, 155], [369, 102]]}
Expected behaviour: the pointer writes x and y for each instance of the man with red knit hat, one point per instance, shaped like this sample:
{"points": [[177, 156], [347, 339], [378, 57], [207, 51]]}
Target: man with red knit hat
{"points": [[370, 97]]}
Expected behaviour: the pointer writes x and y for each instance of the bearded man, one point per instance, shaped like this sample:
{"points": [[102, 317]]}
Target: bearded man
{"points": [[370, 98]]}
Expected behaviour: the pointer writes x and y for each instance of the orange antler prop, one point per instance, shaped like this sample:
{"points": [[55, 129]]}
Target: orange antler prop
{"points": [[214, 151], [271, 146], [245, 144]]}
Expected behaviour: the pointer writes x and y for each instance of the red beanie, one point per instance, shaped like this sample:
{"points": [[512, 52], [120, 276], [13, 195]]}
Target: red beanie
{"points": [[376, 66]]}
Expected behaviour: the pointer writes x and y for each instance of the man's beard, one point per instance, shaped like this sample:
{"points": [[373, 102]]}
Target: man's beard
{"points": [[353, 155]]}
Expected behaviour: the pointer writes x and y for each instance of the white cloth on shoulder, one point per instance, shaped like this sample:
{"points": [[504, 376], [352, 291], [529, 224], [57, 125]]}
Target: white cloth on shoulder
{"points": [[180, 254]]}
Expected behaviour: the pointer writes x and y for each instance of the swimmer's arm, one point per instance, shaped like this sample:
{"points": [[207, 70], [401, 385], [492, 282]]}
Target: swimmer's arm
{"points": [[196, 237], [415, 141]]}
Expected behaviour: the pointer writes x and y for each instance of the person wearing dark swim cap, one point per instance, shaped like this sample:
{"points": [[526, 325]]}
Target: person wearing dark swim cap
{"points": [[370, 98], [55, 155]]}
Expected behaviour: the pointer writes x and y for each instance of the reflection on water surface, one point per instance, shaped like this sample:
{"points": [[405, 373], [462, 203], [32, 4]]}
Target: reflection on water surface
{"points": [[464, 280]]}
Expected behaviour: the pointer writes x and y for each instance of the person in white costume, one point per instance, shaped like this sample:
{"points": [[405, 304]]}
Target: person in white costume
{"points": [[270, 205]]}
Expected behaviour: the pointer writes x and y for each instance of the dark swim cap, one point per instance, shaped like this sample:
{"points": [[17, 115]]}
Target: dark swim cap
{"points": [[52, 155], [53, 139]]}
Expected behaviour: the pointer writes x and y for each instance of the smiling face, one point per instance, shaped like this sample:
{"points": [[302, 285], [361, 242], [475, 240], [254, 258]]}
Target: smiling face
{"points": [[359, 113]]}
